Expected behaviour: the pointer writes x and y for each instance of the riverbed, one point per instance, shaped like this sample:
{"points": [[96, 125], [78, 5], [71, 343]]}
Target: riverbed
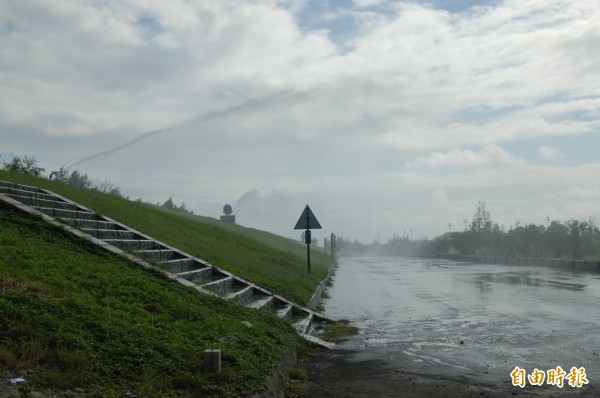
{"points": [[469, 323]]}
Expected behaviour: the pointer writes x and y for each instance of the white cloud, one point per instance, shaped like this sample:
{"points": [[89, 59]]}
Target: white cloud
{"points": [[490, 155], [549, 153]]}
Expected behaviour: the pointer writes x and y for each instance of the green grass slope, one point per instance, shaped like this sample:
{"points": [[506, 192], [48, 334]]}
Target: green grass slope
{"points": [[271, 261], [80, 316]]}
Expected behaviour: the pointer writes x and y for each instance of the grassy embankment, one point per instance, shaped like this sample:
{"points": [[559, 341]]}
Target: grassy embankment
{"points": [[271, 261], [82, 317]]}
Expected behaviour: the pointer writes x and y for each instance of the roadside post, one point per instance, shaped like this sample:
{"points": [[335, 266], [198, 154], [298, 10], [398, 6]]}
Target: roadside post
{"points": [[307, 221], [333, 244]]}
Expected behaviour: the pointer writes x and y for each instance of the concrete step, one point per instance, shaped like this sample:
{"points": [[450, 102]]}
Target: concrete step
{"points": [[6, 184], [180, 265], [227, 286], [158, 255], [96, 224], [283, 310], [35, 202], [262, 302], [110, 234], [318, 341], [302, 321], [133, 244], [215, 276], [199, 276], [239, 292], [67, 214], [26, 192], [90, 224]]}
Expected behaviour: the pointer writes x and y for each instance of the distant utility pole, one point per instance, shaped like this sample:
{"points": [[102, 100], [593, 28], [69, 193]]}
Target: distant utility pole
{"points": [[450, 226], [548, 221], [333, 244], [465, 221]]}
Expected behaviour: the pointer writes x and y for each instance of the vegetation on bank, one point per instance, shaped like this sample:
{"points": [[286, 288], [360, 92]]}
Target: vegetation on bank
{"points": [[573, 239], [271, 261], [338, 331], [82, 317]]}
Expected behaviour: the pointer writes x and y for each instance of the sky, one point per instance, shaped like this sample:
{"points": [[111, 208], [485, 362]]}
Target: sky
{"points": [[385, 117]]}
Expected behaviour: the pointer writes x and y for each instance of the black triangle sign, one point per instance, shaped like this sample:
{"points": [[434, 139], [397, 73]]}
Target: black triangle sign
{"points": [[307, 220]]}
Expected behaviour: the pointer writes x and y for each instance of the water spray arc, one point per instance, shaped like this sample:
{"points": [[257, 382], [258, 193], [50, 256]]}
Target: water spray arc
{"points": [[251, 104]]}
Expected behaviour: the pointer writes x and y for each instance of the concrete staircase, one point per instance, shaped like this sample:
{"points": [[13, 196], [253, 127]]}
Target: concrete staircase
{"points": [[151, 253]]}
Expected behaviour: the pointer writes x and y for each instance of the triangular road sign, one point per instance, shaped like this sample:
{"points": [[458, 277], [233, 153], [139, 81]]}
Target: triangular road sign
{"points": [[307, 220]]}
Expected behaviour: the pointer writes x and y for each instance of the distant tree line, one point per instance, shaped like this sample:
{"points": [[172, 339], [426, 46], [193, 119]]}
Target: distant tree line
{"points": [[25, 165], [169, 204], [81, 180], [573, 239], [28, 165]]}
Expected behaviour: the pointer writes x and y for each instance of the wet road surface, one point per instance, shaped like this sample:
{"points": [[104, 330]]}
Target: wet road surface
{"points": [[469, 323]]}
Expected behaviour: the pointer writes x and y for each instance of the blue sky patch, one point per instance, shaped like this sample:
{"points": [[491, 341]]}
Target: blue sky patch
{"points": [[150, 25], [340, 17], [575, 149]]}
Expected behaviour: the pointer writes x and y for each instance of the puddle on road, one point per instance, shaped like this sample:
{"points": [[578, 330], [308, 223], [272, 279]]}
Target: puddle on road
{"points": [[468, 319]]}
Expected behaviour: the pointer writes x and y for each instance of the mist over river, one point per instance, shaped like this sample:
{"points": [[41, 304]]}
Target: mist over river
{"points": [[471, 321]]}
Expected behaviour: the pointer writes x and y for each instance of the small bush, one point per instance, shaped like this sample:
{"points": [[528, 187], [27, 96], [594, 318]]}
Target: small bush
{"points": [[297, 374]]}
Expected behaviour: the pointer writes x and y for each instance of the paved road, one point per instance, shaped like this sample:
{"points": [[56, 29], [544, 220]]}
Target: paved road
{"points": [[470, 322]]}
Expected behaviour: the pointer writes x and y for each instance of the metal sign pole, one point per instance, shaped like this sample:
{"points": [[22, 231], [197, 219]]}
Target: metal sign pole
{"points": [[308, 251], [308, 240]]}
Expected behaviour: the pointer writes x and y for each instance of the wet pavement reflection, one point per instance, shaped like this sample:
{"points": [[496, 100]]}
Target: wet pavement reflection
{"points": [[469, 320]]}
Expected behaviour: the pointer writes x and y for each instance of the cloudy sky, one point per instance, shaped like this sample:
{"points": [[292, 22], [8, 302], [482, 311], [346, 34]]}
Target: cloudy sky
{"points": [[383, 116]]}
